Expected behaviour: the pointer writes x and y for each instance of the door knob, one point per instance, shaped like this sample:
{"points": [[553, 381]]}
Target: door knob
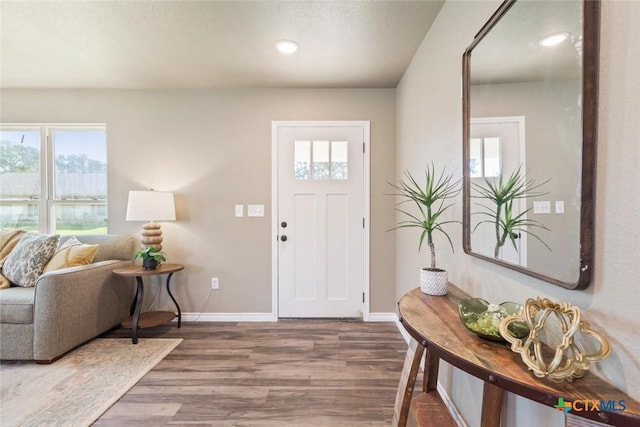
{"points": [[283, 224], [283, 238]]}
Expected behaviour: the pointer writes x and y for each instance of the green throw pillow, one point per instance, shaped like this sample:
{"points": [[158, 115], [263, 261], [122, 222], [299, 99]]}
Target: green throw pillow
{"points": [[26, 261]]}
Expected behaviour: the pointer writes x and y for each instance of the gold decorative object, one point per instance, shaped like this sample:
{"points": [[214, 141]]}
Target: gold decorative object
{"points": [[561, 367]]}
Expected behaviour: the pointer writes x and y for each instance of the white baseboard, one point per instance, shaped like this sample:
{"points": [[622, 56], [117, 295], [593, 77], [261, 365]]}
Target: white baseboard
{"points": [[403, 331], [457, 417], [229, 317], [382, 317], [267, 317]]}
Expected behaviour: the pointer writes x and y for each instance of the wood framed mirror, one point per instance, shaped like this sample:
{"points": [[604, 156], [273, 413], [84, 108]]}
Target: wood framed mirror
{"points": [[532, 107]]}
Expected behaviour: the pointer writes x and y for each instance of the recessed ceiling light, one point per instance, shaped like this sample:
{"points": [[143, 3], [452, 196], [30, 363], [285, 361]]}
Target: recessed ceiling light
{"points": [[553, 39], [287, 46]]}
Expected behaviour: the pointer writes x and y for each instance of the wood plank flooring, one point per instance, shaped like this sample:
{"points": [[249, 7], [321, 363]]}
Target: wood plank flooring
{"points": [[286, 373]]}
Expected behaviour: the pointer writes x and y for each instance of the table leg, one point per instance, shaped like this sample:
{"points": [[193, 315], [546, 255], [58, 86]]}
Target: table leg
{"points": [[174, 300], [431, 365], [133, 303], [136, 311], [407, 383], [491, 405]]}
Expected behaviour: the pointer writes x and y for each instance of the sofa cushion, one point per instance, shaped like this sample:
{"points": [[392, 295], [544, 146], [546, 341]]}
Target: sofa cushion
{"points": [[16, 305], [110, 246], [4, 282], [71, 253], [8, 240], [26, 261]]}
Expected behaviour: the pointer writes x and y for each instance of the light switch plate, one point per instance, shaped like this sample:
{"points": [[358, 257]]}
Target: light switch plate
{"points": [[239, 211], [542, 207], [559, 206], [255, 210]]}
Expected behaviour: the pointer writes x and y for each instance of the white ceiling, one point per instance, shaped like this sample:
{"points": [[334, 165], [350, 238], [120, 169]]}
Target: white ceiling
{"points": [[208, 44]]}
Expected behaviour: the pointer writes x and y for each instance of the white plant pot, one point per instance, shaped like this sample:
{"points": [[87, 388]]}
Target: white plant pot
{"points": [[434, 282]]}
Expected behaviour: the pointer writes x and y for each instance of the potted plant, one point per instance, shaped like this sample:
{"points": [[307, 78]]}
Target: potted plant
{"points": [[501, 194], [151, 257], [431, 201]]}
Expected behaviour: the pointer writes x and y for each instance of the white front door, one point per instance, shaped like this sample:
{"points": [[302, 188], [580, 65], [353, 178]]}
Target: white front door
{"points": [[497, 147], [320, 219]]}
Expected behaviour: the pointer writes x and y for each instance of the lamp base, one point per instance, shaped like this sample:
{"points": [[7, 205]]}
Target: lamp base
{"points": [[152, 235]]}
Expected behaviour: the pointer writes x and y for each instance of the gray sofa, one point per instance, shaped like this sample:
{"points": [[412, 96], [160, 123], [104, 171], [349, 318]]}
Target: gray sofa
{"points": [[67, 307]]}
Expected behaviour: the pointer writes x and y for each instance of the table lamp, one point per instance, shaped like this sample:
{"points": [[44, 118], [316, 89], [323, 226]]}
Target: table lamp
{"points": [[151, 206]]}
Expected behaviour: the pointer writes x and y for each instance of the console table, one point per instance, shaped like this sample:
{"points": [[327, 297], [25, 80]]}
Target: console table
{"points": [[152, 318], [435, 328]]}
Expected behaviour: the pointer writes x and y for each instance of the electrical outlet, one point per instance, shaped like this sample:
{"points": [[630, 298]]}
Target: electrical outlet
{"points": [[215, 283]]}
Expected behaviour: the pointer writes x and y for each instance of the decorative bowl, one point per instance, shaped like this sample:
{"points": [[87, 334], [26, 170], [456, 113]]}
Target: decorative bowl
{"points": [[483, 319]]}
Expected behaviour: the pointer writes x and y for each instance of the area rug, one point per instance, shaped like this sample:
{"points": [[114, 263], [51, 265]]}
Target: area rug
{"points": [[77, 389]]}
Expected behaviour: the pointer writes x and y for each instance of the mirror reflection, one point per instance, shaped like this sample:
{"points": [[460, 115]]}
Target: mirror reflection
{"points": [[524, 140]]}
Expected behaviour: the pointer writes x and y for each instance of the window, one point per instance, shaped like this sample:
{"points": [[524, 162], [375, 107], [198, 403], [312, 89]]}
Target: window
{"points": [[53, 179], [320, 159]]}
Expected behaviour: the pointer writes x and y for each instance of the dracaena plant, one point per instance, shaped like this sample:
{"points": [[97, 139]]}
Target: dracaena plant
{"points": [[500, 194], [431, 199]]}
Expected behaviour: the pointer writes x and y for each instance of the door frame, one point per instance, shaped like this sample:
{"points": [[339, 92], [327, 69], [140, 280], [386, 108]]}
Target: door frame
{"points": [[520, 121], [275, 125]]}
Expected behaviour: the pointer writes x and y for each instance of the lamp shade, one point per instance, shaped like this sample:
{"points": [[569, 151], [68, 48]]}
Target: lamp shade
{"points": [[150, 206]]}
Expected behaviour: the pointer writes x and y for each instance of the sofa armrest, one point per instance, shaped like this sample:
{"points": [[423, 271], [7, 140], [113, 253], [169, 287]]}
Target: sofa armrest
{"points": [[75, 304]]}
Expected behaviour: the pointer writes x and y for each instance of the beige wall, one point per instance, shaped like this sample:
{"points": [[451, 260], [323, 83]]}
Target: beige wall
{"points": [[213, 149], [429, 127]]}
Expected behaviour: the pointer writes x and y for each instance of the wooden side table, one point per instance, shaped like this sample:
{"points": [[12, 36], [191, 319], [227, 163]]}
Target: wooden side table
{"points": [[436, 330], [150, 318]]}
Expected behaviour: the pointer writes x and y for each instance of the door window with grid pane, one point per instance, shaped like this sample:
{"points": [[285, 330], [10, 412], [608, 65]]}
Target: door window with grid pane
{"points": [[54, 178], [320, 160]]}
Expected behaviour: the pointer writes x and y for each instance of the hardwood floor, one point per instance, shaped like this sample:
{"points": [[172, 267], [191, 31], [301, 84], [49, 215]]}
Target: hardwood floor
{"points": [[286, 373]]}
